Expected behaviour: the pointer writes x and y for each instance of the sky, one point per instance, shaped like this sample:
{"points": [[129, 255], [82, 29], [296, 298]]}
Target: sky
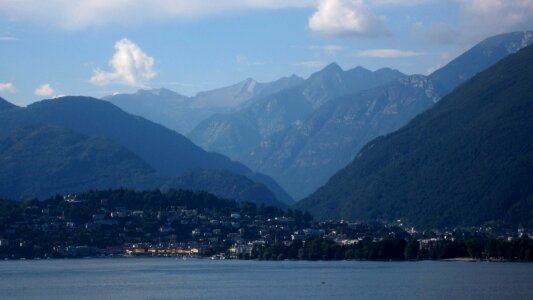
{"points": [[100, 47]]}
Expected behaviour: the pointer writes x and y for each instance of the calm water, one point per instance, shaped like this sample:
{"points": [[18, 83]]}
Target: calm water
{"points": [[167, 278]]}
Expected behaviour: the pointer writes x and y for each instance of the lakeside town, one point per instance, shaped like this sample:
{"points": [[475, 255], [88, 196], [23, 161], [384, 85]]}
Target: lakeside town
{"points": [[197, 224]]}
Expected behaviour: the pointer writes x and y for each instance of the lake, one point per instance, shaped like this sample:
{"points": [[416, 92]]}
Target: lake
{"points": [[170, 278]]}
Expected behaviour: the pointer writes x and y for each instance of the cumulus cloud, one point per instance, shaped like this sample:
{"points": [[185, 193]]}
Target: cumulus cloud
{"points": [[346, 18], [44, 90], [129, 65], [388, 53], [7, 87], [84, 13]]}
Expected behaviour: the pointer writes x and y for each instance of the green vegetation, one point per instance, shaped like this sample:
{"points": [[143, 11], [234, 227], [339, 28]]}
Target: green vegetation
{"points": [[161, 151], [224, 184], [398, 249], [467, 161], [47, 160]]}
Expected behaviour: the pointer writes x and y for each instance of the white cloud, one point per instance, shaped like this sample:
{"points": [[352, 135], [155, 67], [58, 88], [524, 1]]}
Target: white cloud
{"points": [[497, 16], [85, 13], [246, 61], [130, 65], [8, 38], [346, 18], [310, 64], [478, 19], [7, 87], [44, 90], [388, 53], [329, 49], [399, 2]]}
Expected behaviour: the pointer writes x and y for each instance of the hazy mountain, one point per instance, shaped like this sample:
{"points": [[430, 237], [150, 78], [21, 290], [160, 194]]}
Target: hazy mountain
{"points": [[234, 96], [466, 161], [182, 113], [162, 106], [224, 184], [305, 155], [168, 152], [238, 133], [4, 104], [480, 57], [43, 161]]}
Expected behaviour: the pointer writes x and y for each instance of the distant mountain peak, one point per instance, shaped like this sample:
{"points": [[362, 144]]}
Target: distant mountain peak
{"points": [[159, 92], [360, 68], [294, 76], [333, 70], [387, 70], [332, 67], [481, 56], [512, 41], [4, 104]]}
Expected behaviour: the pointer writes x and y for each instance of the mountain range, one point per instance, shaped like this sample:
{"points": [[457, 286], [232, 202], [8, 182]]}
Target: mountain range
{"points": [[302, 136], [466, 161], [238, 133], [165, 150], [304, 156], [299, 133], [182, 113]]}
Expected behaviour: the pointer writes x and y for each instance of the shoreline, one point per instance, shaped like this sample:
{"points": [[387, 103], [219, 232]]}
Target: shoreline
{"points": [[184, 258]]}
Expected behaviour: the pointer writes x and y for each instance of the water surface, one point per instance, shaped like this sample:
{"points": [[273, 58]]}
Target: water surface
{"points": [[168, 278]]}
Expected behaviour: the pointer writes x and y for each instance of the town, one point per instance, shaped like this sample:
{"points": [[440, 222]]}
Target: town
{"points": [[197, 224]]}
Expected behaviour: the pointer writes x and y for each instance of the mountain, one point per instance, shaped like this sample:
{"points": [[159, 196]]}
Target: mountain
{"points": [[480, 57], [168, 152], [467, 161], [42, 161], [225, 185], [4, 105], [182, 113], [237, 95], [305, 155], [238, 133], [162, 106]]}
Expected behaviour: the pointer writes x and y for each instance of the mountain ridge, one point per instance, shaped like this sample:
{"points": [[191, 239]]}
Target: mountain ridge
{"points": [[5, 105], [238, 133], [168, 152], [465, 162], [182, 113], [41, 161]]}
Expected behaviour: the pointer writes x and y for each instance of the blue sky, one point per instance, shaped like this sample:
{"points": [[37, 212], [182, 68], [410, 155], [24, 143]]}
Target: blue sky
{"points": [[97, 47]]}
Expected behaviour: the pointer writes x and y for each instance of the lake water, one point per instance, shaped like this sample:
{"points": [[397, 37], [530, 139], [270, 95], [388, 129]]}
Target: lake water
{"points": [[168, 278]]}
